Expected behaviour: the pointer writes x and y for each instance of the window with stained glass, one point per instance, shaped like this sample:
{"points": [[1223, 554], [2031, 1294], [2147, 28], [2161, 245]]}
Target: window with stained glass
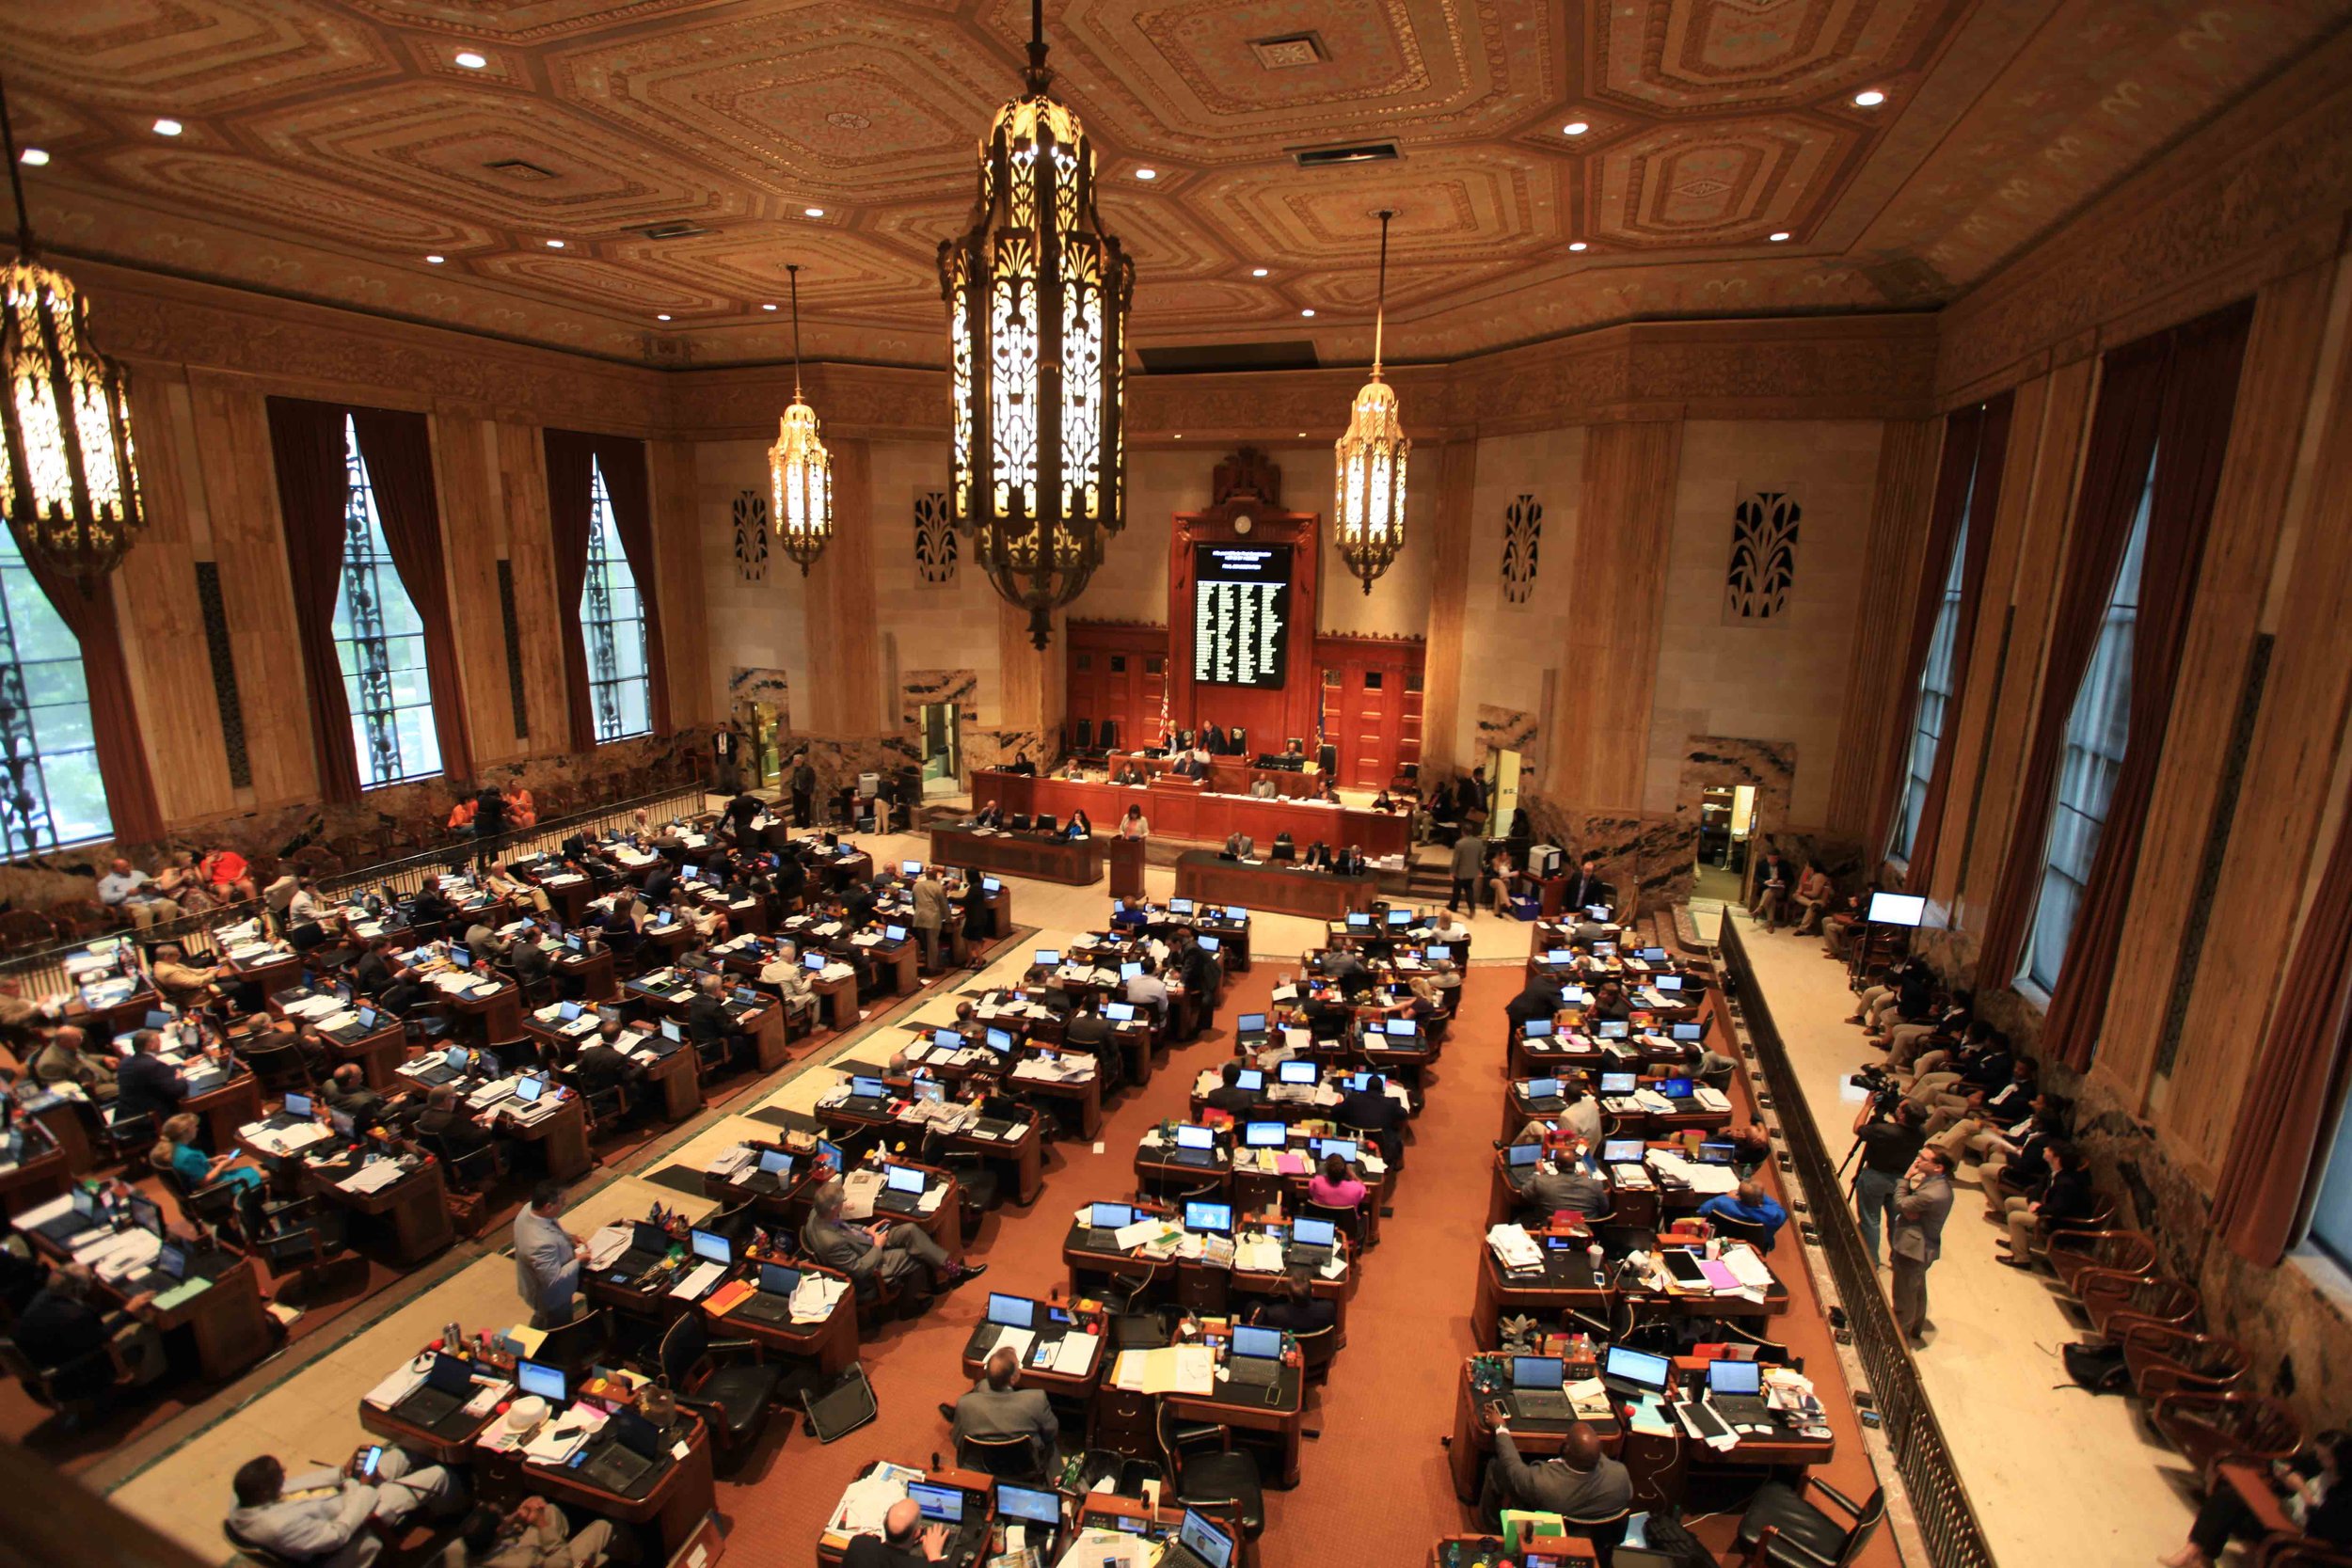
{"points": [[613, 623], [50, 791], [379, 642]]}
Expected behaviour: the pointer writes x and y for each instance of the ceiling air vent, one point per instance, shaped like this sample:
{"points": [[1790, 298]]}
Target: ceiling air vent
{"points": [[519, 169], [1205, 359], [681, 228], [1352, 153], [1290, 51]]}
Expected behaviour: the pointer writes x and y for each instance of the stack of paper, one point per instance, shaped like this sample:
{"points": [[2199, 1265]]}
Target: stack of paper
{"points": [[816, 1296], [1074, 1355], [372, 1178], [1171, 1369], [1515, 1247]]}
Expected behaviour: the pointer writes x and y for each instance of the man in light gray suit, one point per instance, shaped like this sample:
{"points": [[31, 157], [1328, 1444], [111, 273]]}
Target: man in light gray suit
{"points": [[322, 1516], [877, 1252], [998, 1407], [1921, 1204], [546, 1258]]}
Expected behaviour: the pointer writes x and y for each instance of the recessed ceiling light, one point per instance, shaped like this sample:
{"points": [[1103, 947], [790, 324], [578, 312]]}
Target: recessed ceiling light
{"points": [[555, 245], [1257, 272], [435, 261], [1868, 97], [168, 127], [1308, 311], [1576, 245], [661, 318], [1575, 128], [1146, 174], [34, 156], [470, 60], [812, 211], [1179, 436], [1302, 435], [1778, 235], [767, 307]]}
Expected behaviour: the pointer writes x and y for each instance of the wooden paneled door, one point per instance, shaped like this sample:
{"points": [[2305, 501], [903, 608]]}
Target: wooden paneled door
{"points": [[1371, 706], [1117, 676]]}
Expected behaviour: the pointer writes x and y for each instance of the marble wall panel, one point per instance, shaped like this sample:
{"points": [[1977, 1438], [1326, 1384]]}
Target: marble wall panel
{"points": [[1504, 728], [921, 688], [766, 687], [1716, 760]]}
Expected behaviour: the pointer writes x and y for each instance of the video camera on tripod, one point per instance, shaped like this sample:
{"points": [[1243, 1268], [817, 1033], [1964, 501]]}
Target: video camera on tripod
{"points": [[1879, 1085]]}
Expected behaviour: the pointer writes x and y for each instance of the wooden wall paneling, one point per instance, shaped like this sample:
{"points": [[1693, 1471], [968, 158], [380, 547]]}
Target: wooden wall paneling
{"points": [[241, 499], [161, 618], [2040, 558], [1449, 548], [678, 579], [2283, 799], [1619, 562], [844, 630], [1877, 711], [521, 482], [2266, 432], [469, 551], [1965, 722]]}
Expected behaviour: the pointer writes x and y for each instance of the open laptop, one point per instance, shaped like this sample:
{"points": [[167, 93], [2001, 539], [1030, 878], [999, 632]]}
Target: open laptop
{"points": [[902, 1190], [1312, 1245], [1214, 1219], [1104, 1222], [447, 1386], [1198, 1544], [868, 1095], [771, 1301], [1255, 1358], [1537, 1394], [648, 1245], [628, 1448], [1626, 1370], [1542, 1096], [1736, 1388], [1250, 1030], [774, 1170], [1195, 1146]]}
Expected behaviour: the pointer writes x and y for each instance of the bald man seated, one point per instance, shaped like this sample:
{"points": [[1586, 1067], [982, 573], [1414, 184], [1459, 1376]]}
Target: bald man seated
{"points": [[999, 1407], [1583, 1484], [903, 1543]]}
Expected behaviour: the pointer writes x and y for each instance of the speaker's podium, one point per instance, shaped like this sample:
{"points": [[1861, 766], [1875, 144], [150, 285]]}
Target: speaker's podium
{"points": [[1127, 859]]}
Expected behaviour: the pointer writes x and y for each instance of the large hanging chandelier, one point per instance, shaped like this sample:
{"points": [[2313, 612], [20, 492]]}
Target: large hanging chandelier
{"points": [[800, 469], [69, 483], [1037, 306], [1368, 508]]}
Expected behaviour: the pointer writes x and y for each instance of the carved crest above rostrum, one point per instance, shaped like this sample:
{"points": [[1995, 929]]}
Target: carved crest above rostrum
{"points": [[1246, 482]]}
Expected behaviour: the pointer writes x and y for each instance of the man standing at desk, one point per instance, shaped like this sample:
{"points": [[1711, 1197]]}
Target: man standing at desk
{"points": [[1584, 888], [998, 1407], [1374, 1112], [803, 791], [1583, 1483], [547, 1258], [1469, 861], [931, 914]]}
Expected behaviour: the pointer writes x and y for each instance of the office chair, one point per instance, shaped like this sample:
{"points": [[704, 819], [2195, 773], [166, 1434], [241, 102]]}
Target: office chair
{"points": [[1755, 1235], [128, 1135], [275, 1068], [1110, 734], [74, 1385], [1350, 1220], [253, 1552], [1317, 1349], [215, 1204], [302, 1241], [1782, 1528], [471, 1172], [606, 1108], [1085, 738], [732, 1397], [1006, 1458], [1222, 1480], [577, 1345], [1606, 1533]]}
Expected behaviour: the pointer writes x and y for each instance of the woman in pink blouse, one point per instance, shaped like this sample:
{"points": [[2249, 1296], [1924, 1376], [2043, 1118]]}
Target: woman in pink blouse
{"points": [[1333, 1187]]}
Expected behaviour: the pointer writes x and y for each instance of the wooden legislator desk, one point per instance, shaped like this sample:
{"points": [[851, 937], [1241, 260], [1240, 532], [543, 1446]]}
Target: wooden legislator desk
{"points": [[1041, 856], [1206, 878], [1179, 808]]}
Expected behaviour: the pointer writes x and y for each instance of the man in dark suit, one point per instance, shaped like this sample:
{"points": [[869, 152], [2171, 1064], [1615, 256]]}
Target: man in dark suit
{"points": [[1583, 1484], [144, 1086], [1585, 888], [531, 961], [1540, 998], [707, 1014], [1091, 1032], [601, 1067], [60, 1328], [1374, 1112], [1229, 1097], [905, 1541], [1349, 861], [803, 791], [1317, 858]]}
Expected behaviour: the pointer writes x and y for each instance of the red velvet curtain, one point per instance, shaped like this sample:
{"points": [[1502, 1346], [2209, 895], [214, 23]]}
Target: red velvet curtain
{"points": [[2122, 432], [398, 450], [2289, 1101], [2192, 442], [89, 615], [626, 484], [313, 485]]}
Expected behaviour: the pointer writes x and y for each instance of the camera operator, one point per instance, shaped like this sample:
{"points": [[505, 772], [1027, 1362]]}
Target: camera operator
{"points": [[1888, 1130]]}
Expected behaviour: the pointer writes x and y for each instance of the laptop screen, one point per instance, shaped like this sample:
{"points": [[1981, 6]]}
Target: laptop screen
{"points": [[1111, 1216], [298, 1105], [1734, 1377], [528, 1089], [450, 1375], [546, 1382], [1622, 1151], [1296, 1072], [1179, 906], [1542, 1088], [1011, 1311], [903, 1179], [813, 960], [1560, 955], [1252, 1023], [1614, 1028], [1401, 1028], [1343, 1147], [911, 868], [1617, 1083], [999, 1041], [1028, 1505], [1048, 957], [1691, 1033], [775, 1162], [1265, 1134], [1535, 1372], [711, 1247], [1195, 1138], [1307, 1232], [1400, 917], [778, 1281], [1536, 1028], [1676, 1088], [1216, 1217], [990, 885], [147, 1213], [1359, 921], [942, 1504], [1524, 1154], [1667, 982], [1265, 1343], [1129, 971], [1637, 1367], [869, 1087], [1250, 1078], [670, 1030], [1206, 1542], [894, 933], [947, 1039], [174, 1260], [1211, 944]]}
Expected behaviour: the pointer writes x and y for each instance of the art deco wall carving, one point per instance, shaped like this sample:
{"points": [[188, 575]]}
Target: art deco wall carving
{"points": [[1522, 532], [751, 535], [936, 547], [1763, 555]]}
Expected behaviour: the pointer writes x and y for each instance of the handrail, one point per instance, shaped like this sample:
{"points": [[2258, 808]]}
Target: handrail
{"points": [[1940, 1505], [42, 970]]}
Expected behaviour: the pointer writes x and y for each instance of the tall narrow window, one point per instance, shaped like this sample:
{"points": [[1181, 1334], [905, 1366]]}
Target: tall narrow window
{"points": [[379, 641], [620, 688], [1935, 693], [51, 792], [2097, 730], [2331, 1214]]}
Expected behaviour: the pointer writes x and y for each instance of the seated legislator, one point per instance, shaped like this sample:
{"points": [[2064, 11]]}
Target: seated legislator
{"points": [[1239, 847], [1583, 1484], [904, 1542], [1333, 1187], [998, 1406], [877, 1252], [1749, 1204], [61, 1329], [321, 1516], [1296, 1309]]}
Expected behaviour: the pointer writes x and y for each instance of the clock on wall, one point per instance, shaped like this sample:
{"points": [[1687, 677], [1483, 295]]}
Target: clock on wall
{"points": [[1243, 523]]}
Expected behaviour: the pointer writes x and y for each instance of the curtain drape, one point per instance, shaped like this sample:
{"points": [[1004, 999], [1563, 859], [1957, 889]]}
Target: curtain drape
{"points": [[2122, 432], [398, 450], [313, 487], [2297, 1081], [626, 484], [131, 805], [2192, 442]]}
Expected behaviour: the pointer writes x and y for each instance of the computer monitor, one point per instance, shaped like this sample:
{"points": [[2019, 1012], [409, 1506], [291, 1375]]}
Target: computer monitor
{"points": [[1618, 1083], [775, 1162], [1542, 1088], [147, 1213], [1343, 1147], [869, 1087], [1251, 1023], [1179, 906], [1307, 1232], [1129, 971], [460, 955], [1217, 1218], [1559, 956], [1614, 1028], [1111, 1216], [813, 962], [1639, 1368], [1400, 917], [1206, 1542], [1676, 1088], [1401, 1028], [1435, 951], [894, 933], [1523, 1154], [947, 1039], [1048, 957], [546, 1382], [779, 1279], [1896, 909], [1265, 1343], [1011, 1311], [942, 1505], [1359, 1082], [1195, 1138], [1028, 1505], [1359, 921], [1120, 1012], [1264, 1134], [1735, 1377], [1296, 1072], [300, 1105], [1535, 1372], [1211, 944], [1667, 984], [1536, 1029], [990, 885], [1250, 1078], [903, 1179], [1689, 1034], [999, 1041], [910, 869], [1621, 1151], [711, 1247], [930, 1091], [1718, 1153]]}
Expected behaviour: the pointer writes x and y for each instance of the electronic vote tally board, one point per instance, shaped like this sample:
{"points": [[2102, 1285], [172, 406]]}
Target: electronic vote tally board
{"points": [[1241, 613]]}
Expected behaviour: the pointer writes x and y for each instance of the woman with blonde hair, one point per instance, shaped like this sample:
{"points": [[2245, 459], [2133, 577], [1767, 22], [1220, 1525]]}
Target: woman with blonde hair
{"points": [[175, 1152], [181, 882]]}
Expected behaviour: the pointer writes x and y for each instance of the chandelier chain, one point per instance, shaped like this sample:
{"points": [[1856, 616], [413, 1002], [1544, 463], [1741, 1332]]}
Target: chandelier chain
{"points": [[16, 177], [792, 272], [1381, 306]]}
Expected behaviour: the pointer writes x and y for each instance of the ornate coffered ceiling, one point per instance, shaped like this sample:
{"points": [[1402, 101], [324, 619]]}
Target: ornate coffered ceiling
{"points": [[329, 146]]}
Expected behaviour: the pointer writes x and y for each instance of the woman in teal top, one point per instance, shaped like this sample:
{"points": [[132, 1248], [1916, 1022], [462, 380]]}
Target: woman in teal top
{"points": [[177, 1152]]}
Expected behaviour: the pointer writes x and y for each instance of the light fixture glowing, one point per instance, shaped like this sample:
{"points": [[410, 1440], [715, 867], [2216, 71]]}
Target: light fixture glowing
{"points": [[68, 477], [168, 127], [1575, 128], [800, 469], [1778, 235], [1368, 507], [1308, 311], [812, 211], [470, 60], [1257, 272], [767, 307], [32, 157], [1146, 174], [1576, 245], [661, 318], [555, 245], [435, 261], [1868, 97], [1037, 292]]}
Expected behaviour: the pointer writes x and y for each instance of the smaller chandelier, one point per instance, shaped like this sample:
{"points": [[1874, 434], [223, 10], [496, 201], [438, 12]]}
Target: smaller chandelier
{"points": [[69, 481], [800, 469], [1368, 508]]}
